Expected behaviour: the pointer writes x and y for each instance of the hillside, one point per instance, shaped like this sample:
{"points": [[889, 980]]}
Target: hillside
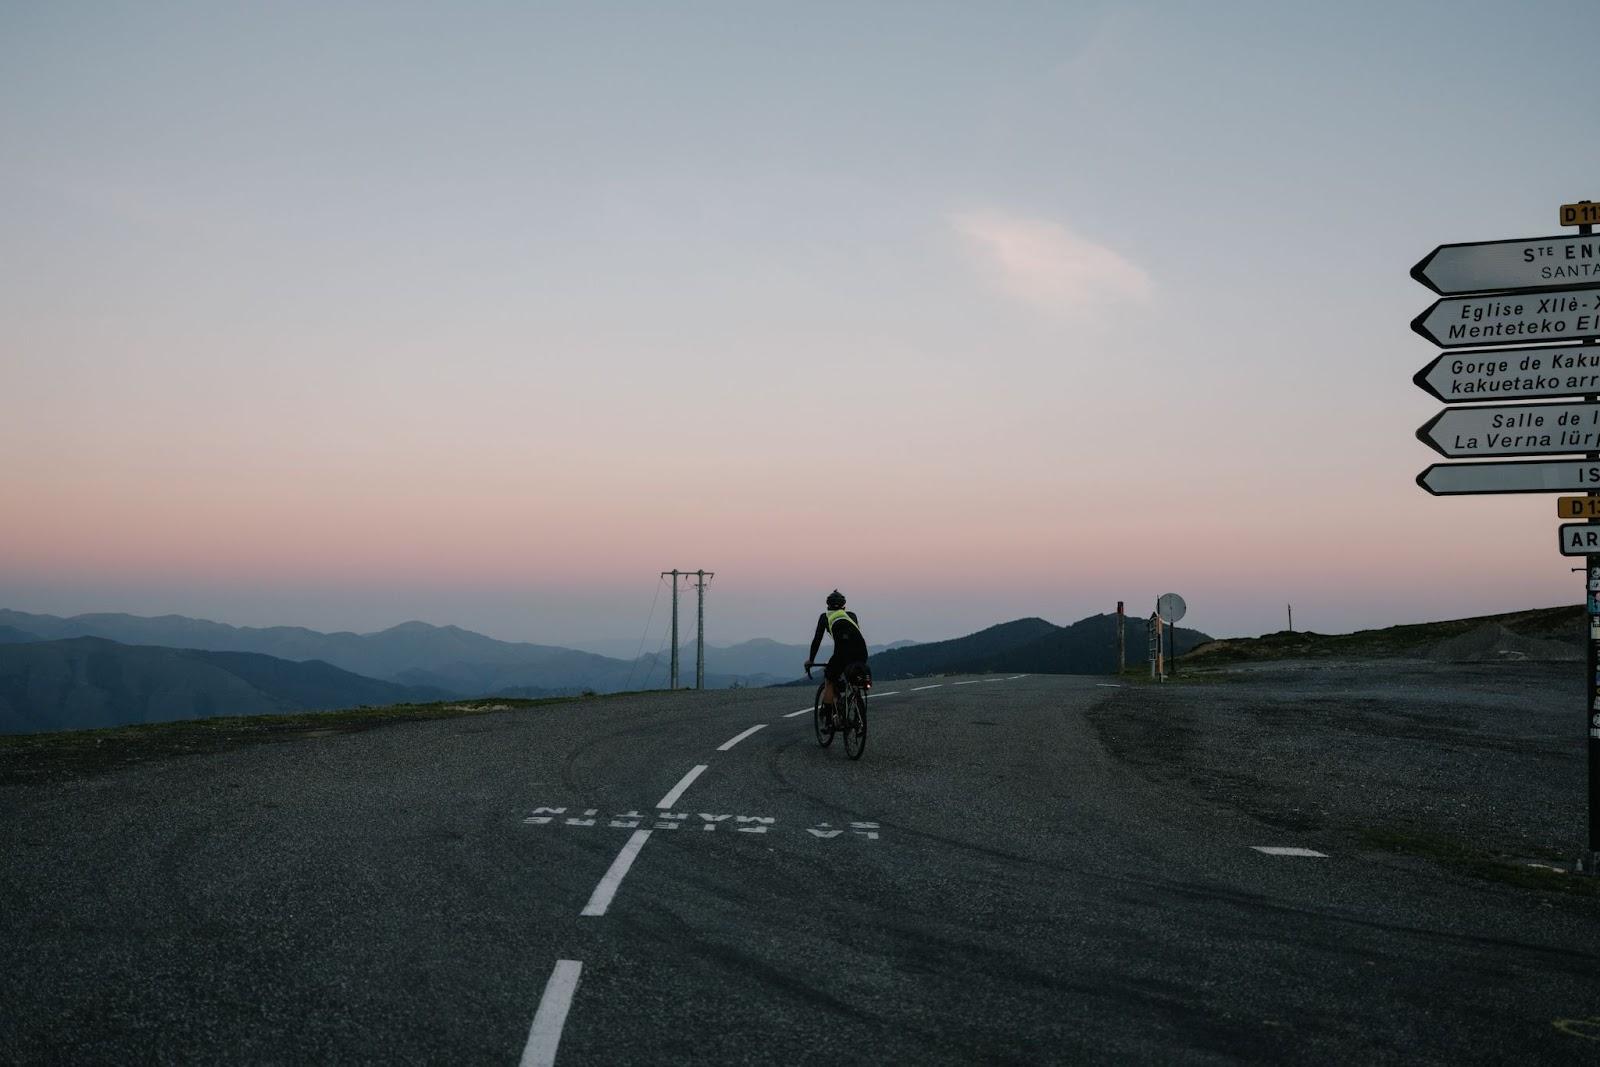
{"points": [[85, 682], [1031, 646], [1560, 626]]}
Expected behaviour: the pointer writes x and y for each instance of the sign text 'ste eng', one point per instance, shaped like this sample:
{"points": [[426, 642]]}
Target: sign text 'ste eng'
{"points": [[1491, 266]]}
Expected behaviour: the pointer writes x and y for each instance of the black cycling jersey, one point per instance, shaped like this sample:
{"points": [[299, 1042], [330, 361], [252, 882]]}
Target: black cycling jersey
{"points": [[849, 644]]}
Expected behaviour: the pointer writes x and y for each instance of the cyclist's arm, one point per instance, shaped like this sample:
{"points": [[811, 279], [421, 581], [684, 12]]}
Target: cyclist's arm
{"points": [[816, 641]]}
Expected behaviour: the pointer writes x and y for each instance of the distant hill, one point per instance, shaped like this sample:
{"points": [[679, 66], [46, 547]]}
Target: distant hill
{"points": [[86, 682], [1031, 646], [1451, 639], [447, 658], [10, 635]]}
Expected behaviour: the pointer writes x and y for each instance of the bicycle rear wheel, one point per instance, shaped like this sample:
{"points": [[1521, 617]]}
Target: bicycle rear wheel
{"points": [[819, 719], [855, 725]]}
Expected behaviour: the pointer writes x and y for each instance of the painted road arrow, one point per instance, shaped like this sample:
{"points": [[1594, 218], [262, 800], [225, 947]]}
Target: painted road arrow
{"points": [[1533, 263], [1511, 374], [1517, 476], [1513, 430], [1484, 320]]}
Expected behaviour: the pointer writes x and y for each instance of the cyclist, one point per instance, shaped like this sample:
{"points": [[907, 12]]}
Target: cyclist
{"points": [[849, 646]]}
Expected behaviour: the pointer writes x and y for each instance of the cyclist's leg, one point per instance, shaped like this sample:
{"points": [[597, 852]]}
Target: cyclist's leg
{"points": [[832, 671]]}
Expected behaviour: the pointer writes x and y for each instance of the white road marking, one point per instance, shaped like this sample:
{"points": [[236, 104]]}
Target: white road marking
{"points": [[1108, 685], [677, 791], [891, 693], [1287, 850], [802, 711], [1014, 677], [920, 688], [600, 900], [733, 741], [992, 679], [545, 1033], [973, 681]]}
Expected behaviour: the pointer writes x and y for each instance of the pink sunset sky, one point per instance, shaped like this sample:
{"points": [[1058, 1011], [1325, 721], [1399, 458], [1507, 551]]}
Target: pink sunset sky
{"points": [[344, 316]]}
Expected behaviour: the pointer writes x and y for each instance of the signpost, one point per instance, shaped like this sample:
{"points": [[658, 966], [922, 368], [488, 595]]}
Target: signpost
{"points": [[1170, 608], [1459, 322], [1495, 266], [1513, 430], [1525, 292], [1511, 374], [1520, 476]]}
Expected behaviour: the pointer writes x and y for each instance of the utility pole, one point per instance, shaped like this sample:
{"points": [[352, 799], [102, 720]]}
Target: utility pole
{"points": [[1291, 618], [701, 577], [1122, 660], [673, 682], [700, 630]]}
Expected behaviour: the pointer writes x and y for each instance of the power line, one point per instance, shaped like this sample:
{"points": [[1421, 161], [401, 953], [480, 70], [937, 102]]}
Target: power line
{"points": [[643, 634]]}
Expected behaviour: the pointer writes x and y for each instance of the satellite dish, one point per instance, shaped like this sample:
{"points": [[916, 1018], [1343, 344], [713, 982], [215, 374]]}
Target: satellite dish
{"points": [[1171, 608]]}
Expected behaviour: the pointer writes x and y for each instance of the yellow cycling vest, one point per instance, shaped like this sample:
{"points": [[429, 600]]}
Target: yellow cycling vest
{"points": [[843, 616]]}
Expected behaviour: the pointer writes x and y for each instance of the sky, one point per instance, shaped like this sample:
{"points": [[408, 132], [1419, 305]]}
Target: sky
{"points": [[345, 314]]}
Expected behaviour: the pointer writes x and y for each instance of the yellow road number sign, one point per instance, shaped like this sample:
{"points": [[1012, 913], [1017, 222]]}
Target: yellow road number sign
{"points": [[1578, 507], [1584, 214]]}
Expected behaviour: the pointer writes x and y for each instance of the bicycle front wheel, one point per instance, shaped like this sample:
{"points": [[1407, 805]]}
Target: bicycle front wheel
{"points": [[855, 726], [819, 719]]}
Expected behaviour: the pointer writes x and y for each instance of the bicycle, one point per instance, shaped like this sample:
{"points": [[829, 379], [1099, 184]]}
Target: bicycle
{"points": [[850, 711]]}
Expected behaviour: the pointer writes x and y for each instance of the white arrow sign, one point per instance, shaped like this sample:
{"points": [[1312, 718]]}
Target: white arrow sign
{"points": [[1580, 539], [1487, 320], [1519, 476], [1513, 430], [1512, 373], [1534, 263]]}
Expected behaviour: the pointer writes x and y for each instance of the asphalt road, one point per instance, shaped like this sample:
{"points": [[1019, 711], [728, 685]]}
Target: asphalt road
{"points": [[991, 883]]}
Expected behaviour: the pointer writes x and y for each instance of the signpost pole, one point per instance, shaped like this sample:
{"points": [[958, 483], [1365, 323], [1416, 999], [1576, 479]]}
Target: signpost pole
{"points": [[1591, 712]]}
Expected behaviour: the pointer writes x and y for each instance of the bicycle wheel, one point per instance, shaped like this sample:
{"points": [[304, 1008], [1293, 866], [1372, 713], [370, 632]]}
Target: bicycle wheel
{"points": [[819, 719], [855, 725]]}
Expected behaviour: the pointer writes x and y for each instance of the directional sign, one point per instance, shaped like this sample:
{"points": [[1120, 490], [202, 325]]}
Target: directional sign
{"points": [[1529, 263], [1579, 539], [1512, 373], [1513, 430], [1486, 320], [1578, 507], [1518, 476]]}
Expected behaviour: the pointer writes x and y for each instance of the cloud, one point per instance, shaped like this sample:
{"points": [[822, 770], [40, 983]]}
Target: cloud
{"points": [[1045, 264]]}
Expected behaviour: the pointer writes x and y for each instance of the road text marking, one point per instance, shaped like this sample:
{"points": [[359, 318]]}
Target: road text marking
{"points": [[677, 790], [600, 900], [545, 1033], [1287, 850], [729, 744]]}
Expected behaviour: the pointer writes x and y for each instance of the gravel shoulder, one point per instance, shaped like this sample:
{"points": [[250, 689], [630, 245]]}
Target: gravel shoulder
{"points": [[1463, 763]]}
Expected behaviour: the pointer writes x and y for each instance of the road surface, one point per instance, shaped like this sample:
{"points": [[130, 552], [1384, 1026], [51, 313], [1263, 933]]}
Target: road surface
{"points": [[677, 878]]}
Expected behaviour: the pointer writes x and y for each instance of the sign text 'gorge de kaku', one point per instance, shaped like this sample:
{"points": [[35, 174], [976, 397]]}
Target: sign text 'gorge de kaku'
{"points": [[1521, 319]]}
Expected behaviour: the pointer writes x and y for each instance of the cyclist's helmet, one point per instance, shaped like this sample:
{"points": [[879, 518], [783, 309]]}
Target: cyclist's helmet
{"points": [[835, 600]]}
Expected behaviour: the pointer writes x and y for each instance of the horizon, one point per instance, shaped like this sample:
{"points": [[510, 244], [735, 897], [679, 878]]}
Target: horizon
{"points": [[327, 317]]}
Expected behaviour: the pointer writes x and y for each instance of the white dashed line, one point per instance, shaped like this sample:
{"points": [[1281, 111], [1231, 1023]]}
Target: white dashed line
{"points": [[973, 681], [802, 711], [1108, 685], [677, 791], [1287, 850], [991, 679], [1014, 677], [600, 900], [890, 693], [545, 1033], [920, 688], [733, 741]]}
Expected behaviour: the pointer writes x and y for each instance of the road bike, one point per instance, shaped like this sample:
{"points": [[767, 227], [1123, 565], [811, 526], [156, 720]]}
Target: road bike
{"points": [[850, 713]]}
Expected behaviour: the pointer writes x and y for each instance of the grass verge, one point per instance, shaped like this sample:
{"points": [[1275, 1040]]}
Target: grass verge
{"points": [[1481, 863], [30, 758]]}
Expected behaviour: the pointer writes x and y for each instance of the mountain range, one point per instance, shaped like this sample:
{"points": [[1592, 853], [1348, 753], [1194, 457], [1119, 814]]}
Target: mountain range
{"points": [[1030, 646]]}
